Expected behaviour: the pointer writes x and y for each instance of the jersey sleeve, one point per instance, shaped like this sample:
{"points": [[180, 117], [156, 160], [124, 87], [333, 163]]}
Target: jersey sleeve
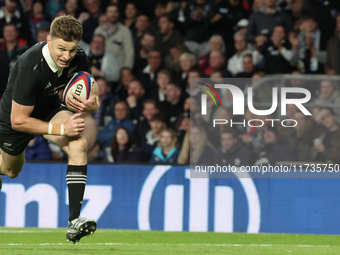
{"points": [[25, 86]]}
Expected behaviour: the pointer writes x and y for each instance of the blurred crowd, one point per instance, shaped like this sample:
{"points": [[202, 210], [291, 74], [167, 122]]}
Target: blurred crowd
{"points": [[144, 52]]}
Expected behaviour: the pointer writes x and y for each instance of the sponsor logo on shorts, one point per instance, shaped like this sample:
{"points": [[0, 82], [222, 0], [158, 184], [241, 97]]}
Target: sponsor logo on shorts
{"points": [[6, 145]]}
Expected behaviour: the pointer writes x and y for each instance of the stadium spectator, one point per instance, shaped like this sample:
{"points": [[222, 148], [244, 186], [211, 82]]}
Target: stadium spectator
{"points": [[325, 11], [226, 15], [191, 89], [150, 108], [231, 151], [273, 149], [105, 112], [42, 34], [121, 120], [327, 146], [102, 20], [332, 66], [37, 19], [142, 50], [182, 126], [187, 61], [37, 149], [119, 39], [216, 77], [148, 75], [142, 25], [159, 10], [235, 62], [312, 47], [296, 12], [215, 42], [131, 13], [151, 138], [302, 136], [217, 63], [126, 76], [257, 5], [195, 109], [166, 150], [135, 99], [122, 148], [263, 22], [12, 45], [163, 79], [72, 8], [103, 62], [329, 94], [242, 25], [10, 14], [173, 106], [89, 19], [201, 150], [61, 12], [167, 36], [277, 53], [214, 133], [52, 7], [172, 62], [197, 15], [248, 66]]}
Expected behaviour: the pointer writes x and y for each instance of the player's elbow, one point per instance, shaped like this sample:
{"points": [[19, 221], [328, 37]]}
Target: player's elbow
{"points": [[17, 123]]}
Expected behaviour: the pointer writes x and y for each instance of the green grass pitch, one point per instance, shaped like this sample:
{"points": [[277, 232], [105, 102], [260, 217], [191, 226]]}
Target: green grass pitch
{"points": [[53, 241]]}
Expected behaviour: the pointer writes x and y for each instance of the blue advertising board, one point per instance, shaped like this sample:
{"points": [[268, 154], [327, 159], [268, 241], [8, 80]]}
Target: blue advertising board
{"points": [[165, 198]]}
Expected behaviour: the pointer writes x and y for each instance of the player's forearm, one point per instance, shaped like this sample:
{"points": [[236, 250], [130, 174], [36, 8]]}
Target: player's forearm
{"points": [[36, 127]]}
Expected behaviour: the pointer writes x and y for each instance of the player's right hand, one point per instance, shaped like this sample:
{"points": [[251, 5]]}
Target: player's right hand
{"points": [[74, 126]]}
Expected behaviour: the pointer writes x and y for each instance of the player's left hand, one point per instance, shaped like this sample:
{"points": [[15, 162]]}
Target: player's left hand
{"points": [[80, 104]]}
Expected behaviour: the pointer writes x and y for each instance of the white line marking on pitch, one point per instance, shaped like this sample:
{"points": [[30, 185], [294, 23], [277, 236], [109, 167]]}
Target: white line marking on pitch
{"points": [[166, 244]]}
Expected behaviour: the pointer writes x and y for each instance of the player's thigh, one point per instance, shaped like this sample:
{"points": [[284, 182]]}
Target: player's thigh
{"points": [[12, 165], [59, 118]]}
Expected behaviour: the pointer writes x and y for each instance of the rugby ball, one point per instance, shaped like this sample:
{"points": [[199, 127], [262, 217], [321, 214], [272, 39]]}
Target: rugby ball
{"points": [[80, 84]]}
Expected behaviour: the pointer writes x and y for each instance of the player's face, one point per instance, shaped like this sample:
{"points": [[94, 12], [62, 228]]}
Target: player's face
{"points": [[62, 52]]}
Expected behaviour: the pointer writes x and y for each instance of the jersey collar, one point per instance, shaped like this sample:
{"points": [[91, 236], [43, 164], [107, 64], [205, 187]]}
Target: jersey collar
{"points": [[53, 66]]}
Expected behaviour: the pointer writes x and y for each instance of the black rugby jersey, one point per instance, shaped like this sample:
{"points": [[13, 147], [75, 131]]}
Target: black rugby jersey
{"points": [[36, 80]]}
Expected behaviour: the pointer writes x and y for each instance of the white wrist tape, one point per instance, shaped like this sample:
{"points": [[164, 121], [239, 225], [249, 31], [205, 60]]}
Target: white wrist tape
{"points": [[62, 131], [50, 126]]}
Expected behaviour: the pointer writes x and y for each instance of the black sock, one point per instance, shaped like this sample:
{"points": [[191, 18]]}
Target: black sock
{"points": [[76, 180]]}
